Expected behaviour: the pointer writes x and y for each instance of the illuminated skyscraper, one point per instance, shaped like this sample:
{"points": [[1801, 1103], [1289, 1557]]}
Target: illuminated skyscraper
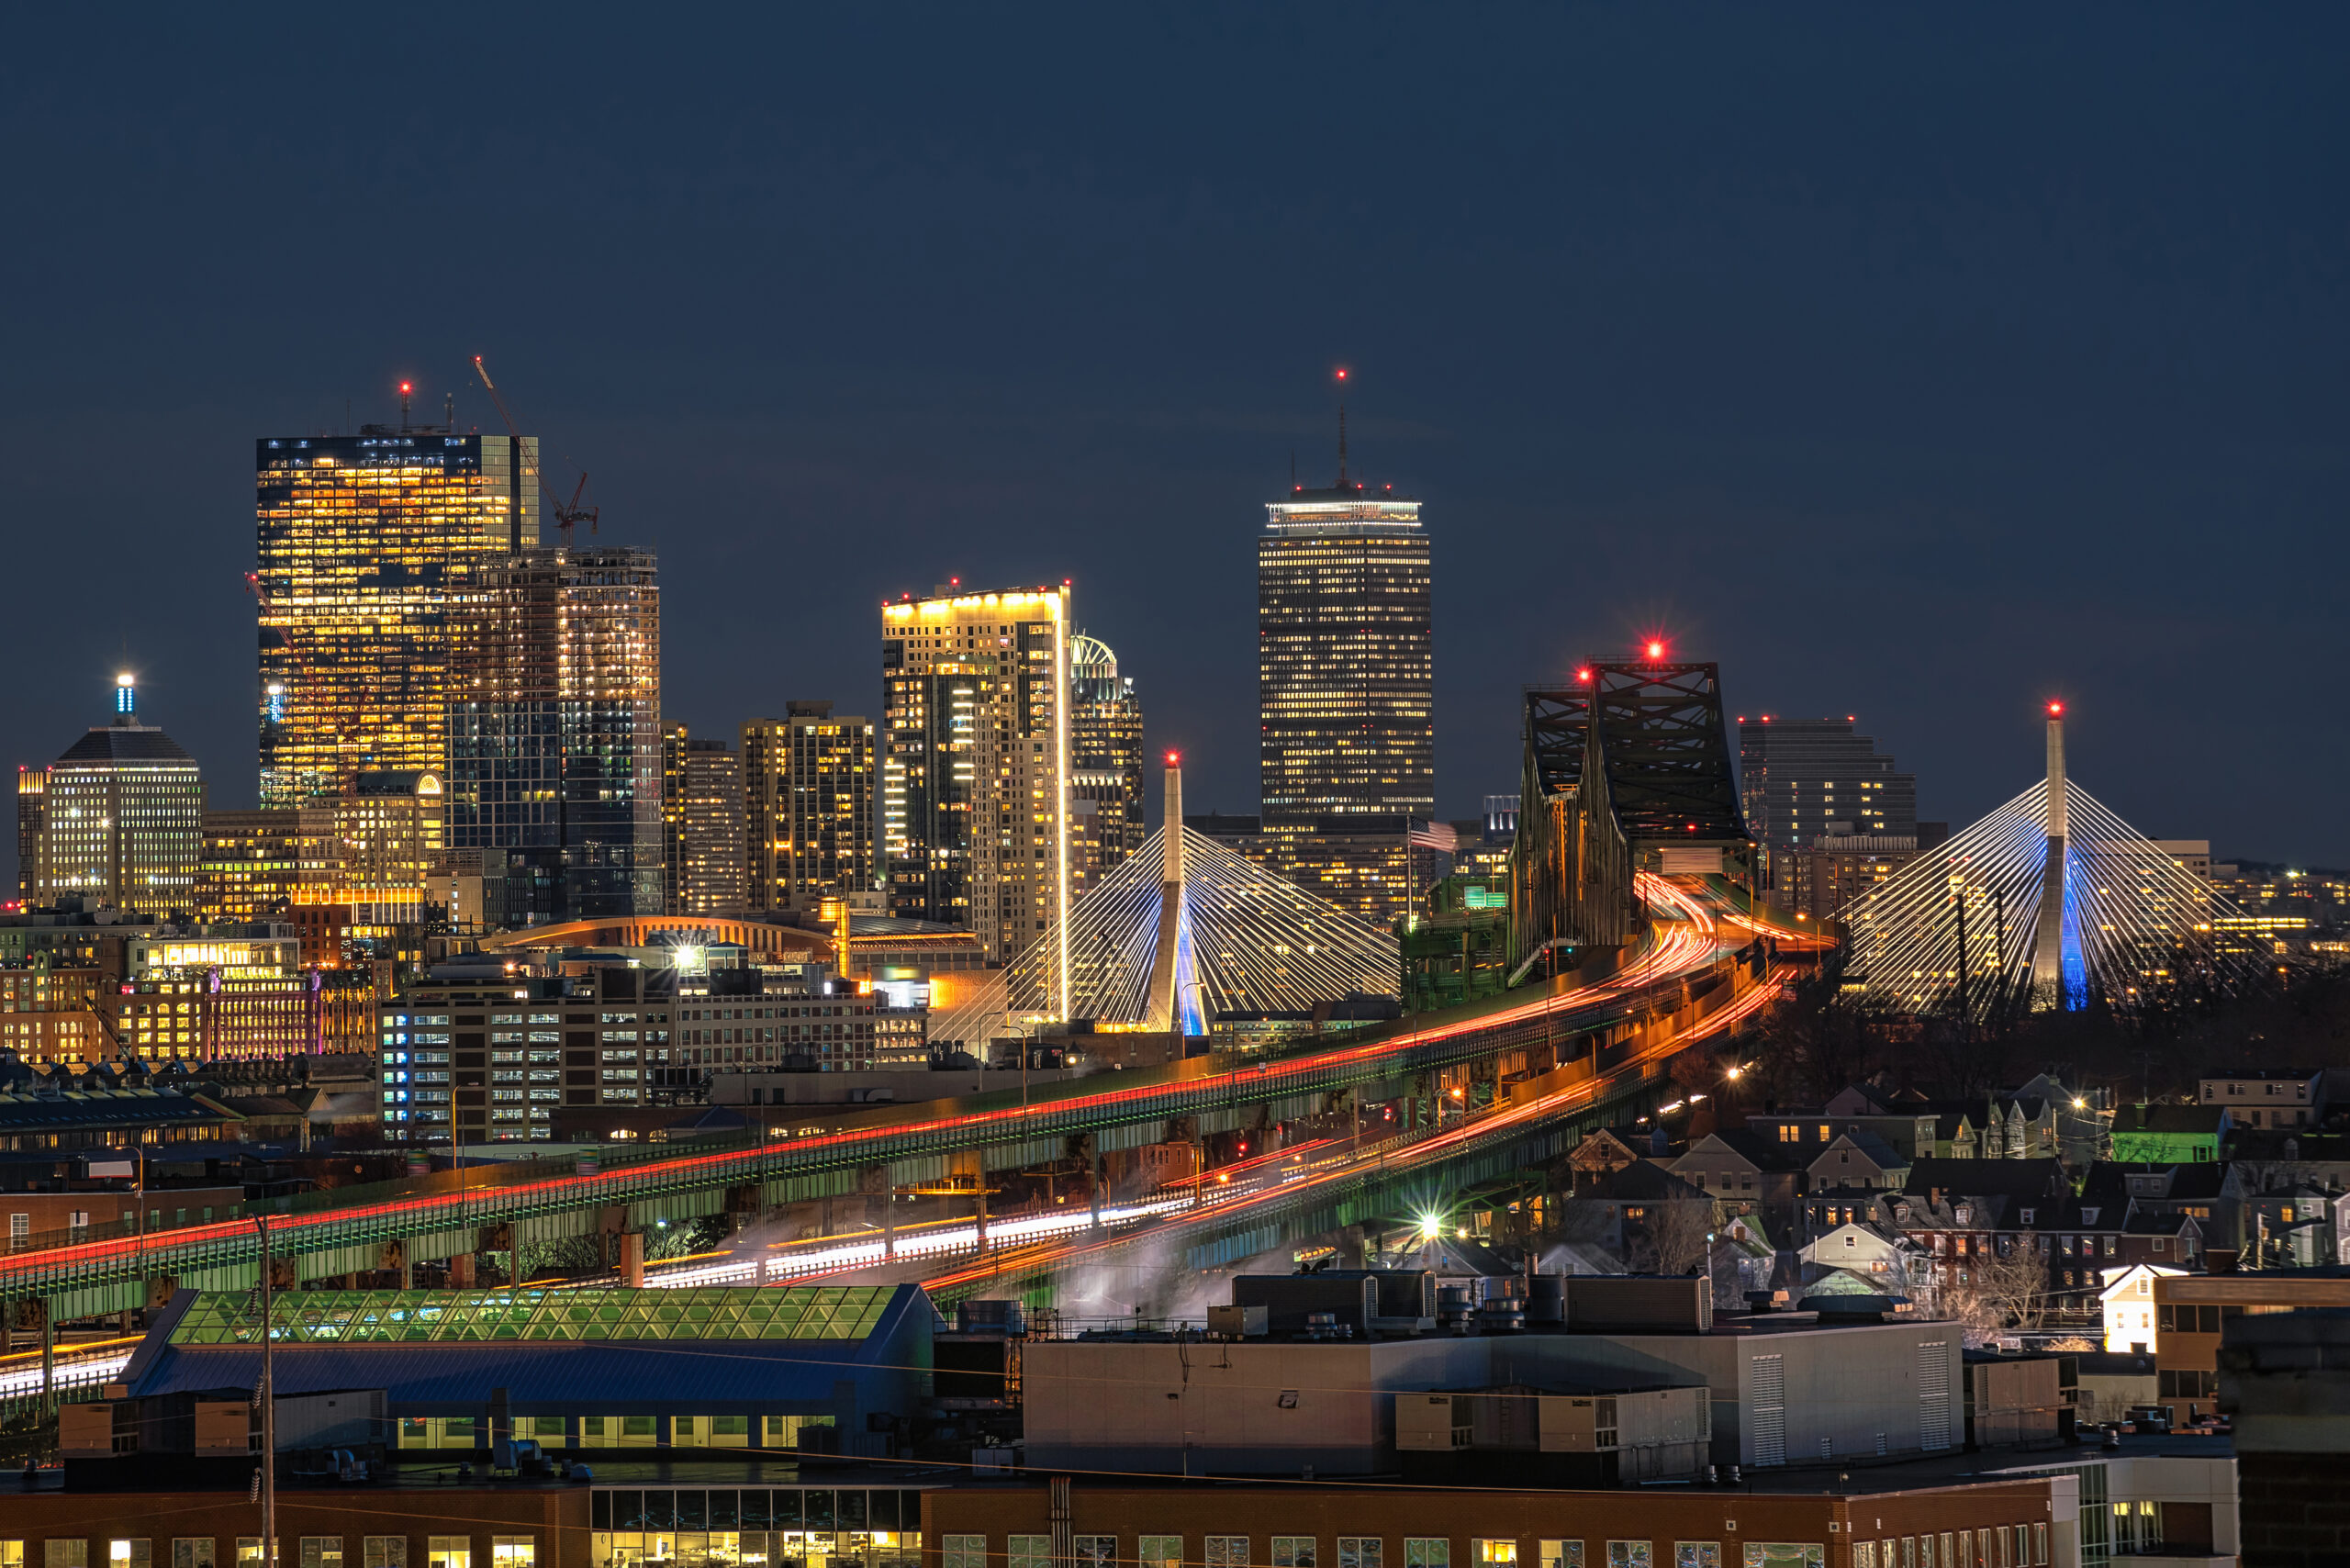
{"points": [[1345, 665], [674, 741], [1105, 763], [975, 760], [555, 727], [122, 813], [808, 784], [712, 861], [364, 541]]}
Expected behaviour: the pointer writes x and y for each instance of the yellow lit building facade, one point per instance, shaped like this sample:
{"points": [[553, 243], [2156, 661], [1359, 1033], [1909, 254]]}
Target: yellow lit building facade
{"points": [[1346, 659], [711, 859], [251, 865], [121, 820], [364, 542], [32, 805], [975, 762], [809, 798]]}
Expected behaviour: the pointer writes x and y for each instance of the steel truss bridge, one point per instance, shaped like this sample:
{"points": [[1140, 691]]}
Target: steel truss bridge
{"points": [[1628, 764]]}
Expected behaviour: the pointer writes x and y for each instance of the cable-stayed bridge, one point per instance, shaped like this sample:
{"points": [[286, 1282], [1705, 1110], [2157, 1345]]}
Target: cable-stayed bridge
{"points": [[2051, 902]]}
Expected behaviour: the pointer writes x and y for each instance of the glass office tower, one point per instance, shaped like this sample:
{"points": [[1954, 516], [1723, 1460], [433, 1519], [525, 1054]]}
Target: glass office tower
{"points": [[554, 729], [362, 541]]}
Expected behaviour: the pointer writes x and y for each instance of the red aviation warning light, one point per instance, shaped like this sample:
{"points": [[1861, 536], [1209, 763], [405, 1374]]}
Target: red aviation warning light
{"points": [[1342, 373], [2057, 709], [1582, 675], [1174, 758], [1656, 649]]}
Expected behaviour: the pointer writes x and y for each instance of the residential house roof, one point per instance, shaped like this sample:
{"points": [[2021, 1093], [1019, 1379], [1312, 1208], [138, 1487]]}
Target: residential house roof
{"points": [[1878, 1152], [1764, 1154], [2025, 1179], [1643, 1181]]}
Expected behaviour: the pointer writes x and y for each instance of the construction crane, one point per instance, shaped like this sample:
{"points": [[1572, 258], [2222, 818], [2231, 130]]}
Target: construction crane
{"points": [[567, 514]]}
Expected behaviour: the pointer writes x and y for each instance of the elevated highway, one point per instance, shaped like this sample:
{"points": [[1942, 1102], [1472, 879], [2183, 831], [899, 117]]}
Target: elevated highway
{"points": [[1689, 951]]}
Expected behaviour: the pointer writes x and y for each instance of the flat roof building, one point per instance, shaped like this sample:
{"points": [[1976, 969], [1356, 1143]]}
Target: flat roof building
{"points": [[1346, 659], [362, 543]]}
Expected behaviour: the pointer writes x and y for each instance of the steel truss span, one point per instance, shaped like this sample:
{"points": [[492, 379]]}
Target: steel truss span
{"points": [[1247, 942], [1956, 929]]}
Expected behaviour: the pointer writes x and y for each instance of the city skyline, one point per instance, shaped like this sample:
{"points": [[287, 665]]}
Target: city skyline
{"points": [[1705, 376]]}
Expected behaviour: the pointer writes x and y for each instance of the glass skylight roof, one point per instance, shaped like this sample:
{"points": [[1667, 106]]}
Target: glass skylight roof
{"points": [[707, 1312]]}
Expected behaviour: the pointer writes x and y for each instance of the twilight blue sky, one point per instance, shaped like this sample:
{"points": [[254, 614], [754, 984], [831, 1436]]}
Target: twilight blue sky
{"points": [[1913, 364]]}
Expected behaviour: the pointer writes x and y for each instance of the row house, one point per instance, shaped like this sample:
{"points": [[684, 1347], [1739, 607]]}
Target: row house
{"points": [[1748, 1173]]}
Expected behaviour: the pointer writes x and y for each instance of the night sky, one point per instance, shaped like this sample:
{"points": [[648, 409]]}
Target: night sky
{"points": [[1914, 366]]}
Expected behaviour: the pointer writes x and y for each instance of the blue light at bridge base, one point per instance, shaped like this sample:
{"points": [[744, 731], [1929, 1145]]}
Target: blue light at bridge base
{"points": [[2072, 969]]}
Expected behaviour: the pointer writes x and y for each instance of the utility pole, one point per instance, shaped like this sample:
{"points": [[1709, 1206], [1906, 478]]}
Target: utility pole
{"points": [[1965, 1012], [267, 1395]]}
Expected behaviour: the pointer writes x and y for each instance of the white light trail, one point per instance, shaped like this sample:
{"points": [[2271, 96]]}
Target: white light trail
{"points": [[68, 1374]]}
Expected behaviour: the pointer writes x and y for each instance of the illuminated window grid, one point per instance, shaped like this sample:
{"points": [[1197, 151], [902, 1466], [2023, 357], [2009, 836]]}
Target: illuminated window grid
{"points": [[362, 542]]}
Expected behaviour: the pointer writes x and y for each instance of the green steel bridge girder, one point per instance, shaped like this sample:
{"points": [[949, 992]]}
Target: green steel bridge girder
{"points": [[85, 1281]]}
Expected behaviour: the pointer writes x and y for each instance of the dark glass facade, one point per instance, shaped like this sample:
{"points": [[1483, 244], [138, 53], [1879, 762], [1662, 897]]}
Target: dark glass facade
{"points": [[555, 733], [1802, 779]]}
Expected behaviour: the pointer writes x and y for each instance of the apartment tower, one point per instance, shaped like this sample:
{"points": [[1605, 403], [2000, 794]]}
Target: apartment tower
{"points": [[808, 796], [1105, 765], [974, 761]]}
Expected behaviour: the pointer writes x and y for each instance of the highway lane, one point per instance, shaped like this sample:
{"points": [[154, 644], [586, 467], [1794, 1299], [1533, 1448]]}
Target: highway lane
{"points": [[1429, 1150], [1680, 945]]}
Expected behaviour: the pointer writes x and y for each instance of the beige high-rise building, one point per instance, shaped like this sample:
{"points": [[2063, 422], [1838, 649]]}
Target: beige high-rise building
{"points": [[974, 761], [807, 791], [121, 819]]}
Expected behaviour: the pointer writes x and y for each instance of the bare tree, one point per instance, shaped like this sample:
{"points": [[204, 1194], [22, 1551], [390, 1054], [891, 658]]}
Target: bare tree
{"points": [[2001, 1292], [1677, 1231], [1819, 1038]]}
